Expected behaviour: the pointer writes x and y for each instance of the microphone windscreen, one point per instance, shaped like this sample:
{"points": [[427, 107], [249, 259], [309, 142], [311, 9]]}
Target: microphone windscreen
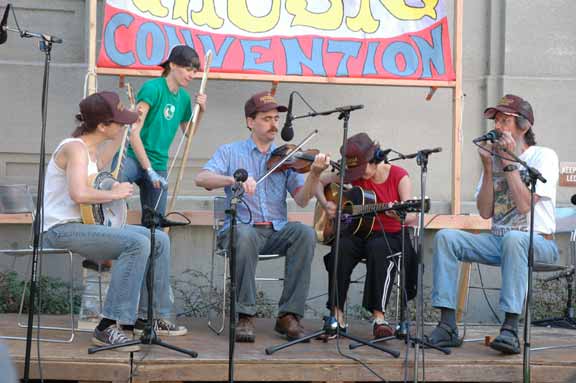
{"points": [[287, 133]]}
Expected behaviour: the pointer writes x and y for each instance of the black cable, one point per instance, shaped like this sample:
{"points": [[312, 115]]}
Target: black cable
{"points": [[486, 295], [338, 346], [402, 289]]}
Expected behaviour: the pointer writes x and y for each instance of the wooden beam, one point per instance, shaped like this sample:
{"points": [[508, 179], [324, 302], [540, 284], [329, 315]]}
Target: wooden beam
{"points": [[300, 79]]}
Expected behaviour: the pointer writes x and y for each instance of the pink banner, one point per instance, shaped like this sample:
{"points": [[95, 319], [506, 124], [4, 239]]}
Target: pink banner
{"points": [[135, 42]]}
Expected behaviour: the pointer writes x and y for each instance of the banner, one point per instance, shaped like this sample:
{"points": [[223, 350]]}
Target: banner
{"points": [[381, 39]]}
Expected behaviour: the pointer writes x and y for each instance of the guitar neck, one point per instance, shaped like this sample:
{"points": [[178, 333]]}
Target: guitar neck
{"points": [[410, 206], [370, 208], [122, 156]]}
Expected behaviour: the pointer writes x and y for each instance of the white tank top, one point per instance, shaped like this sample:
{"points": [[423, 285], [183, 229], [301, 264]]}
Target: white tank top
{"points": [[59, 208]]}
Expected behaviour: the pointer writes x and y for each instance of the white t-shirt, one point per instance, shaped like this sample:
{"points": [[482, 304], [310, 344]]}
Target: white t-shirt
{"points": [[506, 217]]}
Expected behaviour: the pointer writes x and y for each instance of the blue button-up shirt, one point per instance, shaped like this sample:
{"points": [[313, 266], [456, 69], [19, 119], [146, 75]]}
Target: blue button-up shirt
{"points": [[268, 204]]}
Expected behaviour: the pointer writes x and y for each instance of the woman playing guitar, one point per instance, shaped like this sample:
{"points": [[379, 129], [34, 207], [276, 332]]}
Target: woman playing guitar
{"points": [[388, 183], [102, 118]]}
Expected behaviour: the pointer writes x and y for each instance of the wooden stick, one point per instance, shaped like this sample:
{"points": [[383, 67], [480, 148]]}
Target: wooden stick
{"points": [[190, 131], [274, 88], [463, 285]]}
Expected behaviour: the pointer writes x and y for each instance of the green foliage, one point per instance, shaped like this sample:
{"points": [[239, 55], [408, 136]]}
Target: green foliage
{"points": [[549, 298], [192, 288], [52, 295]]}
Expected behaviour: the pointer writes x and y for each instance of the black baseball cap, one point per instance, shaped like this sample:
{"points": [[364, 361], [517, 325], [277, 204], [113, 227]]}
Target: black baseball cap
{"points": [[184, 56]]}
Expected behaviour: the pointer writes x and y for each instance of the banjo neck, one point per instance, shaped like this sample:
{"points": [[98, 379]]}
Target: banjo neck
{"points": [[124, 144]]}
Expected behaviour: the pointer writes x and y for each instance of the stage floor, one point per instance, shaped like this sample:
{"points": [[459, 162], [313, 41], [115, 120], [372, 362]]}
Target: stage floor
{"points": [[315, 361]]}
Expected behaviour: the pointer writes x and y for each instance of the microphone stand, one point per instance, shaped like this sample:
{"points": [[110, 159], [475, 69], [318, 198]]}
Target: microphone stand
{"points": [[330, 325], [45, 46], [238, 192], [150, 219], [534, 176]]}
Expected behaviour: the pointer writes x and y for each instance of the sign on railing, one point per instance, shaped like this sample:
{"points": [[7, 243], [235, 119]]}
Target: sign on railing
{"points": [[567, 173], [384, 39]]}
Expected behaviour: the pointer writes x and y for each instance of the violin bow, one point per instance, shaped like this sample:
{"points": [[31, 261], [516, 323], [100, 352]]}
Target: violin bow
{"points": [[189, 133], [288, 156]]}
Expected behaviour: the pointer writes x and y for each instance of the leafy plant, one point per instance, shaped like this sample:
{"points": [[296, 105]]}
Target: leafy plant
{"points": [[52, 294]]}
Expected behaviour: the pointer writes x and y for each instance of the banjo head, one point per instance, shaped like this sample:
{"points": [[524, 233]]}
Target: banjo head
{"points": [[111, 214]]}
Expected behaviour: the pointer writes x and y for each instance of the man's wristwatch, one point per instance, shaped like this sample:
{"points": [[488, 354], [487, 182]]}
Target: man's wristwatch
{"points": [[510, 168]]}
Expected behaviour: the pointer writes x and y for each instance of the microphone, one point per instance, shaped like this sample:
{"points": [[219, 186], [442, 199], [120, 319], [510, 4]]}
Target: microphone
{"points": [[491, 136], [3, 30], [240, 175], [349, 108], [287, 133], [573, 199], [381, 155], [151, 218], [424, 152], [41, 36]]}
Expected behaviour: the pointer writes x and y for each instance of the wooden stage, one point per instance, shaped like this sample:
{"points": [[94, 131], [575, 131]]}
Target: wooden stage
{"points": [[315, 361]]}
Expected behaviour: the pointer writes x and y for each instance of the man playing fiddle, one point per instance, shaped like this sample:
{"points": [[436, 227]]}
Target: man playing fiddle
{"points": [[264, 227]]}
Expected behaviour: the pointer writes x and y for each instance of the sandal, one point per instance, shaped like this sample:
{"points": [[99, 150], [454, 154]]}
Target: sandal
{"points": [[507, 342], [444, 336]]}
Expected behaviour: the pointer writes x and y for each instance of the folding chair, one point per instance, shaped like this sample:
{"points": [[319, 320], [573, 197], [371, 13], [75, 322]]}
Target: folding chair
{"points": [[17, 199], [219, 208]]}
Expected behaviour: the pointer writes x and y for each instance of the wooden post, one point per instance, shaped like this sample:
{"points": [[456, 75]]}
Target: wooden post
{"points": [[457, 151], [92, 46]]}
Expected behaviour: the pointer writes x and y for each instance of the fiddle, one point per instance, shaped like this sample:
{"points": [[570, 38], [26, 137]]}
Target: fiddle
{"points": [[300, 161]]}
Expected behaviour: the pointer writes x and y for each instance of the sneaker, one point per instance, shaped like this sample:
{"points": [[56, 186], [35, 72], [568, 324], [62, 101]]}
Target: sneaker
{"points": [[161, 327], [112, 335], [381, 329]]}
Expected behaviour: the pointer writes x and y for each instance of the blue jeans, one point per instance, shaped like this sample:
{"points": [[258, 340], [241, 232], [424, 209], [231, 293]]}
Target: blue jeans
{"points": [[510, 252], [133, 172], [129, 246]]}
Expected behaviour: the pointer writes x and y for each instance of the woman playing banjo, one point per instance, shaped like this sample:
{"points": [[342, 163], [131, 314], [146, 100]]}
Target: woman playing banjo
{"points": [[102, 118]]}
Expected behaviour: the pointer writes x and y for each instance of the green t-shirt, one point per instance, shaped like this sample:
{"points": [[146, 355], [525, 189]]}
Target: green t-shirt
{"points": [[167, 111]]}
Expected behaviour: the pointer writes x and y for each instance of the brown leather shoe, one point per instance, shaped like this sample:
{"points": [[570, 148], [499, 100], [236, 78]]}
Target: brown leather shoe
{"points": [[289, 325], [245, 329]]}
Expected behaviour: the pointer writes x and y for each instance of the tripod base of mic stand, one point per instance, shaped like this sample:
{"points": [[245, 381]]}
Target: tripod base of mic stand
{"points": [[330, 327], [148, 337]]}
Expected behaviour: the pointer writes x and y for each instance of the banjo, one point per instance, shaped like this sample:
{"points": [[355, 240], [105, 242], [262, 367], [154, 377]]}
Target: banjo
{"points": [[113, 213]]}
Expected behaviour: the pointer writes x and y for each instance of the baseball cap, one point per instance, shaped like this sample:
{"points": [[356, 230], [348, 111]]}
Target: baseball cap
{"points": [[184, 56], [359, 152], [105, 106], [513, 105], [262, 102]]}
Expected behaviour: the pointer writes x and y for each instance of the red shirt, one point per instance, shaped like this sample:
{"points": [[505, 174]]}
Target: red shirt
{"points": [[386, 191]]}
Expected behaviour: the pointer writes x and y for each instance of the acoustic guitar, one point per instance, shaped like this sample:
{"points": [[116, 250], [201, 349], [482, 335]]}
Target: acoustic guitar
{"points": [[359, 209], [114, 213]]}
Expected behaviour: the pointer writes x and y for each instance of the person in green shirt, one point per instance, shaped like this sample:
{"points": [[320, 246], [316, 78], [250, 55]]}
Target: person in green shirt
{"points": [[163, 105]]}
